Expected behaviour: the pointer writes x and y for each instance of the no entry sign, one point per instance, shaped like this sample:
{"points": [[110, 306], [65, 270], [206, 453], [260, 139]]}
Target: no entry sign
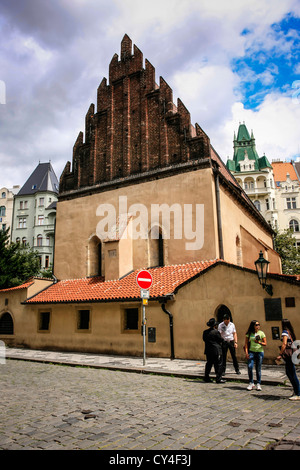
{"points": [[144, 279]]}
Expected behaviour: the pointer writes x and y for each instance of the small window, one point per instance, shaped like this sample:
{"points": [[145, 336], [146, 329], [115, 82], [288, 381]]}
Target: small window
{"points": [[294, 225], [131, 318], [290, 302], [44, 321], [83, 320], [257, 205]]}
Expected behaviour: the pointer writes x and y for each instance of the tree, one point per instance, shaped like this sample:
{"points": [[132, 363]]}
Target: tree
{"points": [[290, 256], [17, 262]]}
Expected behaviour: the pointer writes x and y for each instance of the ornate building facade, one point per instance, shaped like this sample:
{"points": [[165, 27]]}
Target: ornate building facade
{"points": [[254, 174], [35, 213]]}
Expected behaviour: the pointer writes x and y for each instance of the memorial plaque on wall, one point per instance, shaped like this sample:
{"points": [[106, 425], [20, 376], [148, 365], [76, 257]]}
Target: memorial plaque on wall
{"points": [[273, 310]]}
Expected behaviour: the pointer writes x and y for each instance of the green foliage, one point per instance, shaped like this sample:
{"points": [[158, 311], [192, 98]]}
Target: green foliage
{"points": [[290, 255], [47, 272], [17, 263]]}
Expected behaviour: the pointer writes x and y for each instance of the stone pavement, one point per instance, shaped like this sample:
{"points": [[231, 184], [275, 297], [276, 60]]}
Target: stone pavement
{"points": [[164, 406], [271, 375]]}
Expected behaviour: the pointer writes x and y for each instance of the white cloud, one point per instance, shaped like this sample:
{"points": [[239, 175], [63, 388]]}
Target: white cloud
{"points": [[213, 86], [274, 123], [56, 53]]}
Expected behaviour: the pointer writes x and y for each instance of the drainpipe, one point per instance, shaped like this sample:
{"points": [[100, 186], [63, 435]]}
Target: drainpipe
{"points": [[163, 306], [53, 276], [219, 218]]}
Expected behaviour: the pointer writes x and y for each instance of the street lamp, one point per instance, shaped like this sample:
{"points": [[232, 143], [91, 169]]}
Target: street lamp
{"points": [[261, 266]]}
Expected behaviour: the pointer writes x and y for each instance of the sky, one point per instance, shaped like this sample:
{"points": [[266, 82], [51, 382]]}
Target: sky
{"points": [[228, 61]]}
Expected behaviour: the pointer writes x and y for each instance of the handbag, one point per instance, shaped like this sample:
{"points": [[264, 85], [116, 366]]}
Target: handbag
{"points": [[288, 352]]}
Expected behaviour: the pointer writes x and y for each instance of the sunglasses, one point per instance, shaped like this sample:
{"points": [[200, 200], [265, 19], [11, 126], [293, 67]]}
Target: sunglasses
{"points": [[257, 324]]}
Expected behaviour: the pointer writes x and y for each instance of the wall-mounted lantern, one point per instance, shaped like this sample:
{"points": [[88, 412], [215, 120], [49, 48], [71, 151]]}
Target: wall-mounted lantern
{"points": [[261, 266]]}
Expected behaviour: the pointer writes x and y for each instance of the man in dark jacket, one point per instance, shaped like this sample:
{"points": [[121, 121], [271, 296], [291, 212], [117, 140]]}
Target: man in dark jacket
{"points": [[213, 351]]}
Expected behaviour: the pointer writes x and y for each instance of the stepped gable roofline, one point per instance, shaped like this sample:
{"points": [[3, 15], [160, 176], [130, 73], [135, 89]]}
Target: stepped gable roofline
{"points": [[121, 136], [42, 179]]}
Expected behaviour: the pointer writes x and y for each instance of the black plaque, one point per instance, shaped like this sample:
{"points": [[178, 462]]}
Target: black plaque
{"points": [[273, 310], [275, 332], [151, 335]]}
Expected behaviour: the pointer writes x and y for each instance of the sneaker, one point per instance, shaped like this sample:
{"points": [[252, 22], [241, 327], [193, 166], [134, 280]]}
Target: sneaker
{"points": [[250, 387], [295, 397], [258, 387], [238, 372]]}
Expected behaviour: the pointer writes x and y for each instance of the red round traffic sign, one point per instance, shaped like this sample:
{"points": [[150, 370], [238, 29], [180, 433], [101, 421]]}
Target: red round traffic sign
{"points": [[144, 279]]}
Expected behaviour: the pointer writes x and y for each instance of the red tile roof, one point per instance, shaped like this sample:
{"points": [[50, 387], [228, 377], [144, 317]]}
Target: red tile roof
{"points": [[22, 286], [165, 281], [280, 170]]}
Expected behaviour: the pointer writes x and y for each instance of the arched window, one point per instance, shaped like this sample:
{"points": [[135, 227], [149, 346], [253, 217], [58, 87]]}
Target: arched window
{"points": [[220, 312], [257, 204], [294, 225], [6, 324], [156, 240], [95, 257], [238, 251]]}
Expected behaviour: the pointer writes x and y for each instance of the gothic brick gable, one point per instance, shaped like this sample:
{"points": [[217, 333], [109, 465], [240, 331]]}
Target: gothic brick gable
{"points": [[137, 128]]}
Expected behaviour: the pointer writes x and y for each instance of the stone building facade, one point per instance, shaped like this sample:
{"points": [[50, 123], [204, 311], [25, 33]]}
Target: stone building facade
{"points": [[141, 148], [146, 190]]}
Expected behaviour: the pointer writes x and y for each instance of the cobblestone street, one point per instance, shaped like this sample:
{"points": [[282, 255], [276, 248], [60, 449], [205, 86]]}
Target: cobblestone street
{"points": [[46, 406]]}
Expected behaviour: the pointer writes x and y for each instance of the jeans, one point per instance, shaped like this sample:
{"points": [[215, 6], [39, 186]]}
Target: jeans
{"points": [[290, 370], [256, 357]]}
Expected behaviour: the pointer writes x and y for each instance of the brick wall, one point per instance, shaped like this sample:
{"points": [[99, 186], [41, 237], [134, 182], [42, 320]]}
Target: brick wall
{"points": [[137, 127]]}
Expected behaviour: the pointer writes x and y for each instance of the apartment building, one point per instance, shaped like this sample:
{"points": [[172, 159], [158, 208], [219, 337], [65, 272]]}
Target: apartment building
{"points": [[35, 213]]}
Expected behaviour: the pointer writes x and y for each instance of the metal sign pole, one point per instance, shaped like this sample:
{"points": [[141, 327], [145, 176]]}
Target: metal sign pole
{"points": [[144, 334], [144, 281], [144, 297]]}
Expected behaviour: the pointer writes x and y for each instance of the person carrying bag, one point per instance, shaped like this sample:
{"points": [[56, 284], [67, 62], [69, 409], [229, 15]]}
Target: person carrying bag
{"points": [[286, 352]]}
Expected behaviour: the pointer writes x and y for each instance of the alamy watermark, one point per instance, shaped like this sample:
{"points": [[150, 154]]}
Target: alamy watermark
{"points": [[188, 222], [296, 353], [2, 353], [2, 92]]}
